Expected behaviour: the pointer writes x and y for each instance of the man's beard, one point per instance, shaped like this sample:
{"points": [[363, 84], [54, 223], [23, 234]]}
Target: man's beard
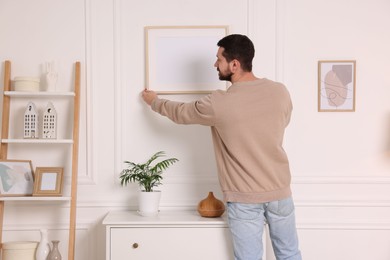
{"points": [[226, 77]]}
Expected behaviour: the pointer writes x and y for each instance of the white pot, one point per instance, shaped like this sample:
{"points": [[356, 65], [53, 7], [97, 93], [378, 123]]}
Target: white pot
{"points": [[148, 203], [26, 84], [20, 250]]}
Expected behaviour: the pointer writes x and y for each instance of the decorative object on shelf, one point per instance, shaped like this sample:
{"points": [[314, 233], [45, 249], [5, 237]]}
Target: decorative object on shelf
{"points": [[19, 250], [26, 84], [211, 207], [147, 177], [16, 178], [51, 76], [43, 249], [30, 121], [55, 252], [48, 181], [49, 122]]}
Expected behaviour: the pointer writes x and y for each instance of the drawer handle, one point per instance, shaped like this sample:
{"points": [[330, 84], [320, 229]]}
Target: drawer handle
{"points": [[135, 245]]}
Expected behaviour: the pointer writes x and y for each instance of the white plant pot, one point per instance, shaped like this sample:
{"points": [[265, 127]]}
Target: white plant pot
{"points": [[148, 203]]}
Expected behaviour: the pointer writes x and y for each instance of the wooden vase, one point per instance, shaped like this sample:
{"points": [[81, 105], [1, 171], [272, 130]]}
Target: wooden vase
{"points": [[211, 207]]}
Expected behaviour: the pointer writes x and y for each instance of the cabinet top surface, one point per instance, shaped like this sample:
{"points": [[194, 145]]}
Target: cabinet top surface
{"points": [[164, 218]]}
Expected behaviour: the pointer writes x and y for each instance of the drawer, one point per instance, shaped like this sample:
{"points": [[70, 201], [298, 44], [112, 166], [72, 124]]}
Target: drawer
{"points": [[190, 243]]}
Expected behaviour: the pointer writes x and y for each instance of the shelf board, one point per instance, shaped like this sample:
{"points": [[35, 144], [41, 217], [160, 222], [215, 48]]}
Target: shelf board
{"points": [[33, 198], [38, 94], [37, 141]]}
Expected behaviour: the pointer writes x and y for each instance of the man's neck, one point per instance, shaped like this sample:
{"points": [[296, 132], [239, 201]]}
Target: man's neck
{"points": [[244, 76]]}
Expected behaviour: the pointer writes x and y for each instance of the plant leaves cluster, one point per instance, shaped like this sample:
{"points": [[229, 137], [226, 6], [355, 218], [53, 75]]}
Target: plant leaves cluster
{"points": [[148, 176]]}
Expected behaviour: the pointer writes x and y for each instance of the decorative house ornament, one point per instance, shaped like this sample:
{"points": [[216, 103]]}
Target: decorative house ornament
{"points": [[31, 121], [49, 122], [211, 207]]}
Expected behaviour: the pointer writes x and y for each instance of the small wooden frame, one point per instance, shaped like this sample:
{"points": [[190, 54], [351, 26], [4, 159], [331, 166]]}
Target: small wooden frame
{"points": [[16, 178], [48, 181], [336, 85]]}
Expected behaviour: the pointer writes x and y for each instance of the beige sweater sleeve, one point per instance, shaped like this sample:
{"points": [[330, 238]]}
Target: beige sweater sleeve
{"points": [[197, 112]]}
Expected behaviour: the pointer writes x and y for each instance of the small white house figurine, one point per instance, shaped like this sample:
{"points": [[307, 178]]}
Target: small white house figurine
{"points": [[49, 122], [31, 121]]}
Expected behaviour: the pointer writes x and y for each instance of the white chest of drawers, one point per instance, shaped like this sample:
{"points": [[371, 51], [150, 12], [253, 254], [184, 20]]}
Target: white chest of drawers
{"points": [[169, 236]]}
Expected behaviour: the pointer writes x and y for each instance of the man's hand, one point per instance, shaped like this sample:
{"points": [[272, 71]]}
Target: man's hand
{"points": [[149, 96]]}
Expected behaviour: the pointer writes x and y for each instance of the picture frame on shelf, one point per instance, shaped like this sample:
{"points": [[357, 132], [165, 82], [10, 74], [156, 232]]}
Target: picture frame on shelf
{"points": [[180, 59], [16, 178], [48, 181], [336, 85]]}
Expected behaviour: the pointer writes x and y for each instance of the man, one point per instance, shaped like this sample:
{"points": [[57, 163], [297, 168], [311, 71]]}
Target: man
{"points": [[248, 121]]}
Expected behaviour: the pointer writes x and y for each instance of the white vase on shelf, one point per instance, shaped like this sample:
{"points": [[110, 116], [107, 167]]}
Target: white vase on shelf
{"points": [[43, 249]]}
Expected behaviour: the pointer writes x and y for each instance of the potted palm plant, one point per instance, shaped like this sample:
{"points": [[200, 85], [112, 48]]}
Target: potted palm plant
{"points": [[148, 177]]}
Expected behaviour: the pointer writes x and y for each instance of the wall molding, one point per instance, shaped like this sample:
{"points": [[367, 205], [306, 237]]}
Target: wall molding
{"points": [[280, 31], [118, 117], [192, 179], [343, 203], [349, 224], [89, 176], [251, 17], [348, 180], [380, 180], [191, 202]]}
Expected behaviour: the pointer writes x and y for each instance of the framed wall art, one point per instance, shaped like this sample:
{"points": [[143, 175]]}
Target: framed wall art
{"points": [[180, 59], [16, 178], [336, 85], [48, 181]]}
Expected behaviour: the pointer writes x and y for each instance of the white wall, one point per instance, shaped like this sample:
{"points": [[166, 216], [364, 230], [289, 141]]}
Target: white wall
{"points": [[340, 161]]}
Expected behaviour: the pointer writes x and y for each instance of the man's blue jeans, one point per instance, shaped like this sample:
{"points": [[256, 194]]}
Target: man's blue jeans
{"points": [[246, 223]]}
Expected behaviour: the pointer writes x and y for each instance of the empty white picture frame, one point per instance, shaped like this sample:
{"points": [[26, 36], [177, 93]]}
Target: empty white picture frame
{"points": [[180, 59]]}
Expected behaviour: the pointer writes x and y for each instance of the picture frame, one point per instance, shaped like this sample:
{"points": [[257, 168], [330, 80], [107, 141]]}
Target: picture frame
{"points": [[16, 178], [48, 181], [336, 85], [180, 59]]}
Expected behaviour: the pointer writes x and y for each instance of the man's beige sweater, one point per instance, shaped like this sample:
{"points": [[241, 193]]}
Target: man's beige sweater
{"points": [[247, 123]]}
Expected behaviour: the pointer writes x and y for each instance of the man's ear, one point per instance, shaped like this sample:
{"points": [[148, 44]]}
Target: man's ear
{"points": [[234, 65]]}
